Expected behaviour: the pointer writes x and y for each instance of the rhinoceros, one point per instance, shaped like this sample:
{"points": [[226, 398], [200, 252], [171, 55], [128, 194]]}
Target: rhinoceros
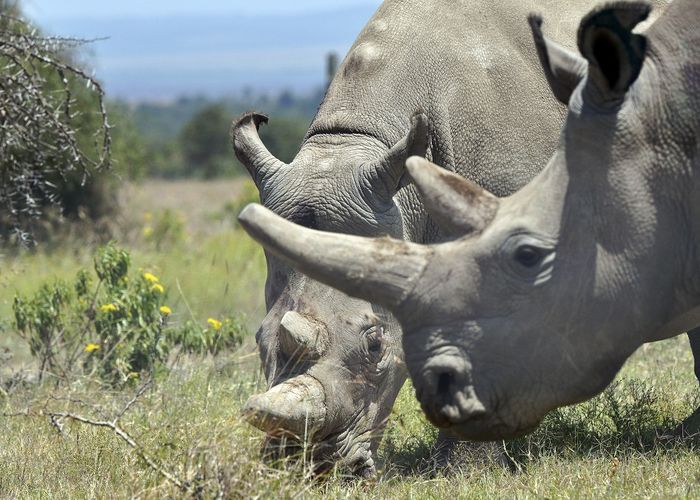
{"points": [[542, 295], [334, 364]]}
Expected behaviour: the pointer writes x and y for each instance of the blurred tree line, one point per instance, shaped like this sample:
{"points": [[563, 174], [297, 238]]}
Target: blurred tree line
{"points": [[194, 140], [65, 148]]}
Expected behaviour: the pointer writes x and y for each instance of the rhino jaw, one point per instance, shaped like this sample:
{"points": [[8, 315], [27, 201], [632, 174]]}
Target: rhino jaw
{"points": [[296, 406]]}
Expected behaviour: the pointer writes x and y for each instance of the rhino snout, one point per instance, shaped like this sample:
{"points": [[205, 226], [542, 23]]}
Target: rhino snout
{"points": [[446, 393], [296, 406]]}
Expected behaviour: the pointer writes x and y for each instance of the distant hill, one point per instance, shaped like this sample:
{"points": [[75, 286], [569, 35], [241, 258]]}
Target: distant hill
{"points": [[162, 58]]}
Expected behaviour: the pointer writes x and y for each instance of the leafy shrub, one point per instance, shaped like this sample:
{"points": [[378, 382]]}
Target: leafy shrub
{"points": [[112, 324], [218, 336]]}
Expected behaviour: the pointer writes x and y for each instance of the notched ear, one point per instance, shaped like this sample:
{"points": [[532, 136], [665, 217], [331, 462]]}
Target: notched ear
{"points": [[385, 174], [615, 54], [458, 205], [563, 69], [251, 151]]}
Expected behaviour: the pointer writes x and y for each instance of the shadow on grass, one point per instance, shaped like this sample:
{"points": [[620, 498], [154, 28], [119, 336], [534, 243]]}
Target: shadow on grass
{"points": [[629, 418]]}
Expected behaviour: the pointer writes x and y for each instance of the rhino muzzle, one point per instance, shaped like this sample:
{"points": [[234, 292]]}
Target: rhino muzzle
{"points": [[445, 392], [296, 406]]}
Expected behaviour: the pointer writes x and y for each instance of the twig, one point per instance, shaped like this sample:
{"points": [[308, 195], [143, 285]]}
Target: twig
{"points": [[128, 440], [184, 299], [133, 400], [121, 433]]}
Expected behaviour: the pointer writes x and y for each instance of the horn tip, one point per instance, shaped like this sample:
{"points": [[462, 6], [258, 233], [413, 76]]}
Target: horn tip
{"points": [[416, 165], [535, 19], [251, 116], [250, 216]]}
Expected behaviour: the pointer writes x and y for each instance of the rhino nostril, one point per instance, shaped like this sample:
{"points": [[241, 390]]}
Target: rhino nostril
{"points": [[444, 385]]}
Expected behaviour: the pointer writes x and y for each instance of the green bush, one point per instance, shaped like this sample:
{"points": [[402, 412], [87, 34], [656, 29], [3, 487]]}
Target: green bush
{"points": [[112, 324]]}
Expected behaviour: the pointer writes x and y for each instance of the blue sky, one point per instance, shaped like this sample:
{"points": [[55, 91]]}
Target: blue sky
{"points": [[62, 9], [159, 49]]}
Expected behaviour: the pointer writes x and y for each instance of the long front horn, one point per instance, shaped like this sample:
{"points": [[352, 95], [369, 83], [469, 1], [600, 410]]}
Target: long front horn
{"points": [[458, 205], [385, 174], [295, 406], [251, 151], [380, 270]]}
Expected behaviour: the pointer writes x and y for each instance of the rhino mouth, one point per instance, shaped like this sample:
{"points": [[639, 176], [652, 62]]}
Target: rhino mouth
{"points": [[336, 451], [295, 418]]}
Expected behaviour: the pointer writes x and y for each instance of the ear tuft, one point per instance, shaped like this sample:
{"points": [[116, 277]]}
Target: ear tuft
{"points": [[385, 176], [251, 151], [615, 54]]}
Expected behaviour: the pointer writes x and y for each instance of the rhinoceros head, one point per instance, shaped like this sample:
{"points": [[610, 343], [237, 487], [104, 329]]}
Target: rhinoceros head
{"points": [[333, 363], [542, 296]]}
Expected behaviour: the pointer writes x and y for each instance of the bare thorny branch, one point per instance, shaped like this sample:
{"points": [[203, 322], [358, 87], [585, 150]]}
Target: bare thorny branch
{"points": [[39, 136]]}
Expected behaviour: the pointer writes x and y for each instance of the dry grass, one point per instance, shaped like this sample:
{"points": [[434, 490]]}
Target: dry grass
{"points": [[189, 421]]}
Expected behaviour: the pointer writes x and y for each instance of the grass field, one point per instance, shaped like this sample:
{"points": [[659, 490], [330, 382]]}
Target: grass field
{"points": [[187, 422]]}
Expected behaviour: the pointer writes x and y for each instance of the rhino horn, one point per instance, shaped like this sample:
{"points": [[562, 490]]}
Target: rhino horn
{"points": [[380, 270], [458, 205], [303, 337], [386, 173], [296, 406], [251, 151]]}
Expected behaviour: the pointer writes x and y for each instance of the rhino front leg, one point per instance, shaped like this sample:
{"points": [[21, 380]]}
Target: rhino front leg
{"points": [[691, 425], [450, 453]]}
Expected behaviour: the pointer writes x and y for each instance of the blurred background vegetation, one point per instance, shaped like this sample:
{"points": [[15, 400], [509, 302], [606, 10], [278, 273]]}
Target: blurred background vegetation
{"points": [[186, 138], [186, 291]]}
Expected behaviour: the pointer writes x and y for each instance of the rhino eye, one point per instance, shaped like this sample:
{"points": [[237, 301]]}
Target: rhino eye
{"points": [[528, 256], [375, 343]]}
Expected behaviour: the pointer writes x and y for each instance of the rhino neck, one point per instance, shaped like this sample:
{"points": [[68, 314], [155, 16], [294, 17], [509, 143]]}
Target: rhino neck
{"points": [[673, 124]]}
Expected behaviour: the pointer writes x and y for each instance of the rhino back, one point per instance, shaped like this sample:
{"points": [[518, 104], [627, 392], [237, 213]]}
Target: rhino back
{"points": [[472, 67]]}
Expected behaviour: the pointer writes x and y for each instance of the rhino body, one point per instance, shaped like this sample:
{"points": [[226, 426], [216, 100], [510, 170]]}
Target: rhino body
{"points": [[544, 294], [333, 363]]}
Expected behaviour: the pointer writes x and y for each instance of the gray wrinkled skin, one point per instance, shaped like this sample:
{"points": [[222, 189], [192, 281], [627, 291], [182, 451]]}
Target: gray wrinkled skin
{"points": [[548, 291], [470, 67]]}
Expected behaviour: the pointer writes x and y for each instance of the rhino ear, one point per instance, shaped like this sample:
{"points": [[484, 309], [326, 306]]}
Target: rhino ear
{"points": [[614, 53], [458, 205], [384, 176], [563, 68], [251, 151]]}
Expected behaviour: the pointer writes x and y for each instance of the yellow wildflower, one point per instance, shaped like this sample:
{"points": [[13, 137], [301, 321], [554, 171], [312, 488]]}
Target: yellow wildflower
{"points": [[92, 347], [106, 308], [147, 231], [216, 325], [165, 310], [151, 278], [158, 288], [148, 216]]}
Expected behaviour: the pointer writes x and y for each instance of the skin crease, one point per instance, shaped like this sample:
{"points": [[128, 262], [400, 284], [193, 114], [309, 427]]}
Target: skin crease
{"points": [[542, 301], [483, 83]]}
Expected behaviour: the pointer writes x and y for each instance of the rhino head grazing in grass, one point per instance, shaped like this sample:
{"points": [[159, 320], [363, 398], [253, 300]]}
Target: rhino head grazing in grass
{"points": [[542, 295], [334, 364]]}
